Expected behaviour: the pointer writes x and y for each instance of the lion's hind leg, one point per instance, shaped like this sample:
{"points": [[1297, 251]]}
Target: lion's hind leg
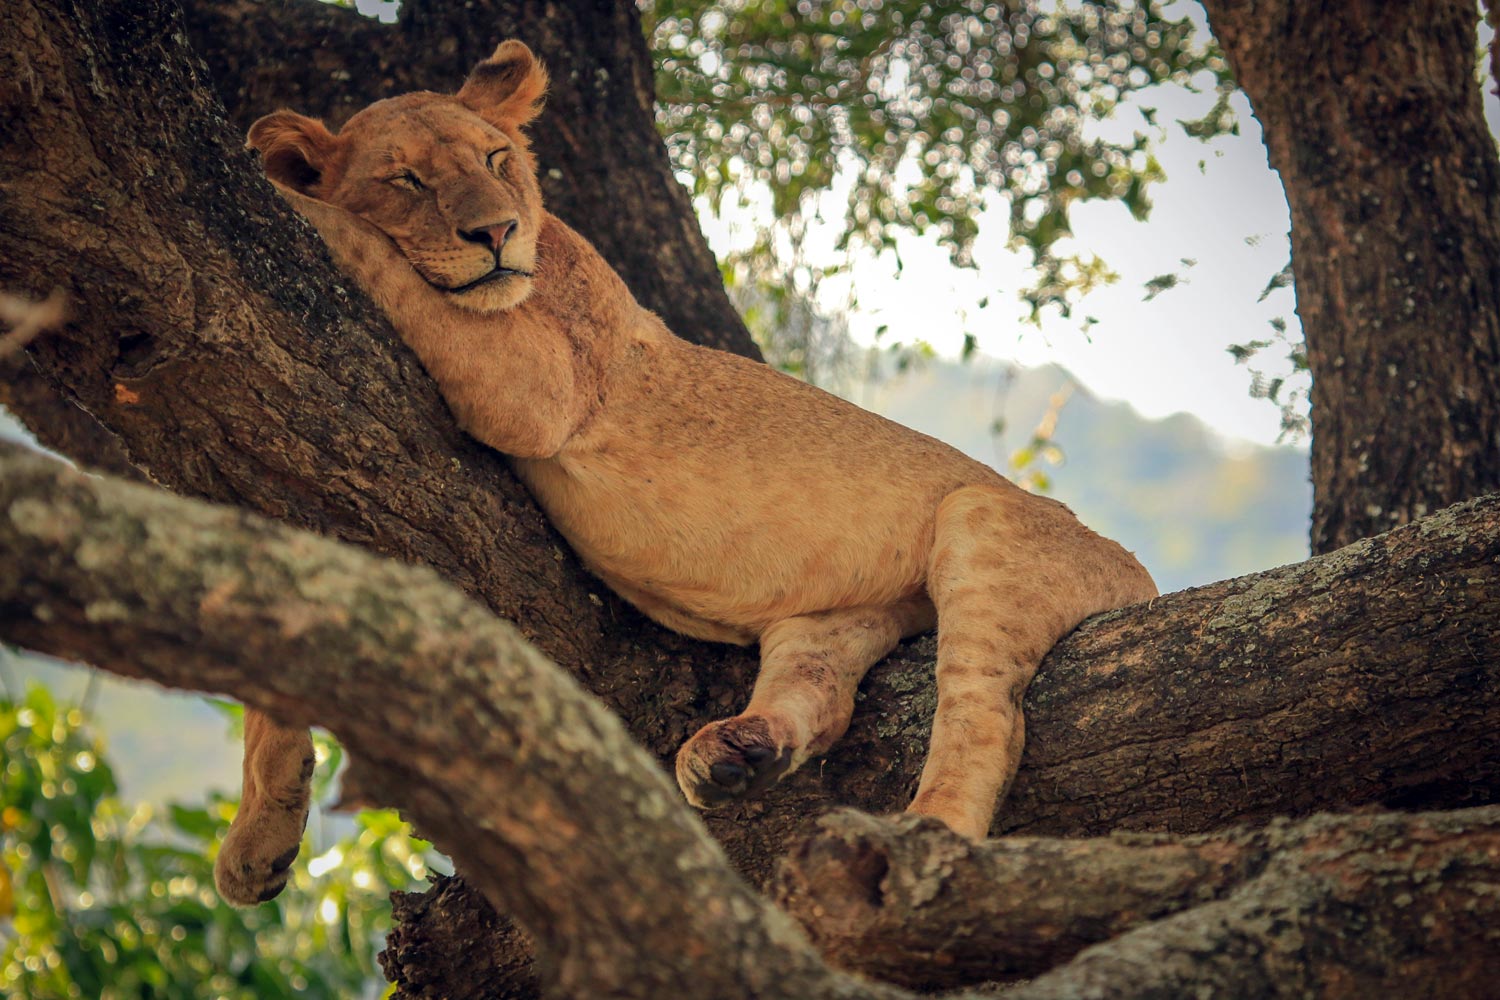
{"points": [[810, 667], [257, 854], [1010, 575]]}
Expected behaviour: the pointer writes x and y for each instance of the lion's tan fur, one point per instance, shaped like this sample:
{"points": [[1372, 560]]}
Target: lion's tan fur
{"points": [[726, 500]]}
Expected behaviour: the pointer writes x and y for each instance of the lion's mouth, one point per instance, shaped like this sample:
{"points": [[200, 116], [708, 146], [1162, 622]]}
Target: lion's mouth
{"points": [[498, 274]]}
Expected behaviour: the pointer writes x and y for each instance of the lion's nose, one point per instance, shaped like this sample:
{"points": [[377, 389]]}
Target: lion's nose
{"points": [[492, 236]]}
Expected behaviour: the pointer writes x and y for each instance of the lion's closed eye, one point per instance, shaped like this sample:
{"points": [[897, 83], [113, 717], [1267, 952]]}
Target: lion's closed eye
{"points": [[407, 180]]}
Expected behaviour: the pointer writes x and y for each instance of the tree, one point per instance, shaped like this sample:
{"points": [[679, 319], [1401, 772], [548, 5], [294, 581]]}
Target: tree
{"points": [[251, 376], [981, 102], [563, 820]]}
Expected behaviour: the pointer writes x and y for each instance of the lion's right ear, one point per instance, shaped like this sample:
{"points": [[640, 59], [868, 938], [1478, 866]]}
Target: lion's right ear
{"points": [[295, 150]]}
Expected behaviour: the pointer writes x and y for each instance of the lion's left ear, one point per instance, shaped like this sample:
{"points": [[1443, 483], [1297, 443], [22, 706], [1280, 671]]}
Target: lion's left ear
{"points": [[507, 88]]}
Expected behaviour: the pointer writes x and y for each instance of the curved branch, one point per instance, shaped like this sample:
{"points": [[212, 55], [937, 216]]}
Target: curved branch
{"points": [[1348, 907], [911, 902], [535, 789]]}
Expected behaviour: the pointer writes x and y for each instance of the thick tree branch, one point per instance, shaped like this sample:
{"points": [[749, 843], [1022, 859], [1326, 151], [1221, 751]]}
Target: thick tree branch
{"points": [[911, 902], [59, 423], [1347, 908]]}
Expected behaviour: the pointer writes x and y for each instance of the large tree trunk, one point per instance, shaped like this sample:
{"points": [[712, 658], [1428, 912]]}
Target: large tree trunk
{"points": [[604, 168], [538, 792], [1372, 116]]}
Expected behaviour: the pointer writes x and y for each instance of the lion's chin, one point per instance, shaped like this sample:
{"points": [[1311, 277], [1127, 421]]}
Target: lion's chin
{"points": [[494, 296]]}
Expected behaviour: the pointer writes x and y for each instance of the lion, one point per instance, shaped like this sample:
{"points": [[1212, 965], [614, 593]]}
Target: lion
{"points": [[724, 499]]}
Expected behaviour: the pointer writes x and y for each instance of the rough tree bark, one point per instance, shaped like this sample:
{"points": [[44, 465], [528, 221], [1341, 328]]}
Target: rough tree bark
{"points": [[1373, 906], [59, 423], [211, 335], [562, 819], [1372, 116], [604, 169]]}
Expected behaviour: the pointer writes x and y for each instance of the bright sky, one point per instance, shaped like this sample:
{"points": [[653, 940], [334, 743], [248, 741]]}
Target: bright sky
{"points": [[1163, 356]]}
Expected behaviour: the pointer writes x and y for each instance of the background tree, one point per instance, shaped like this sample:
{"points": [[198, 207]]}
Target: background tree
{"points": [[250, 375], [1373, 118], [937, 108]]}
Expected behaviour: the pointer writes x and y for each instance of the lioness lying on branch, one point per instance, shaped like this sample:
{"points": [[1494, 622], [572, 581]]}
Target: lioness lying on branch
{"points": [[725, 500]]}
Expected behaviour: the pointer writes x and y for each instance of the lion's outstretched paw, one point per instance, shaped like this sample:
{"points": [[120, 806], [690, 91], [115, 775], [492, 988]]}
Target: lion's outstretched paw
{"points": [[731, 759]]}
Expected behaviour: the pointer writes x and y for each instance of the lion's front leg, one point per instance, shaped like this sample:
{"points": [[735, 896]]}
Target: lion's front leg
{"points": [[257, 854], [804, 696]]}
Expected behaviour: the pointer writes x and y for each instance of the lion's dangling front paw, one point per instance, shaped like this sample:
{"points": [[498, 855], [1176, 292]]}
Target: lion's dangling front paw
{"points": [[731, 759], [256, 857]]}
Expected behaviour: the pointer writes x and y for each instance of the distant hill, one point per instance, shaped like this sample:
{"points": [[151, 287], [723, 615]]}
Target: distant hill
{"points": [[1192, 509]]}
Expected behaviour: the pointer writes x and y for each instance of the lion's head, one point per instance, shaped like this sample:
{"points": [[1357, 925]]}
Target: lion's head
{"points": [[450, 179]]}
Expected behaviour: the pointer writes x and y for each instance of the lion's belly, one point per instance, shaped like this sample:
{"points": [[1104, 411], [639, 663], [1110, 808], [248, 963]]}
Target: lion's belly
{"points": [[714, 554]]}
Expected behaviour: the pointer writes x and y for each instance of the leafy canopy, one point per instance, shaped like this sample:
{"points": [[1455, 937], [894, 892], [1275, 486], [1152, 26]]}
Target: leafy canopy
{"points": [[933, 106]]}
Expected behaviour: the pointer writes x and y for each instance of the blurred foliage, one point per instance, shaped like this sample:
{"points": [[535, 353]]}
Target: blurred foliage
{"points": [[1029, 465], [776, 288], [103, 900], [933, 106], [795, 333], [781, 294], [1286, 381]]}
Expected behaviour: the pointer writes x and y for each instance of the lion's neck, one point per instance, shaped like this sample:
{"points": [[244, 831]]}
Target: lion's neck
{"points": [[526, 379]]}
